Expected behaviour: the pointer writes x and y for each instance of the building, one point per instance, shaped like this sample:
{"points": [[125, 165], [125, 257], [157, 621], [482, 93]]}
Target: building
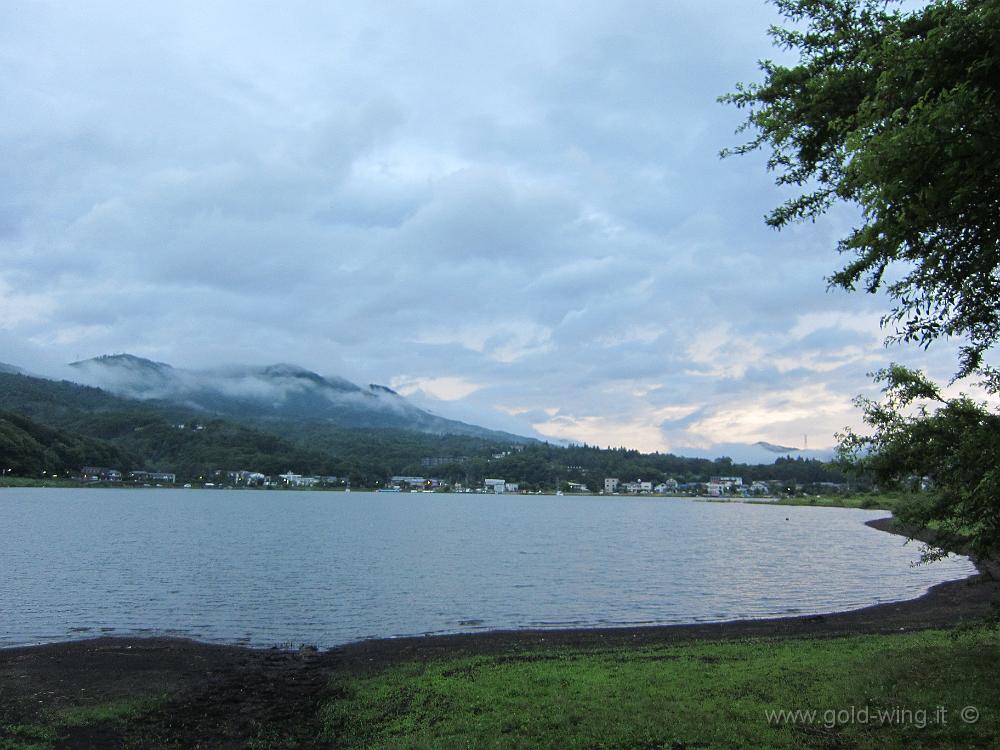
{"points": [[246, 478], [611, 485], [637, 486], [728, 481], [152, 476], [718, 486], [416, 483], [412, 482], [100, 474], [297, 480], [497, 486]]}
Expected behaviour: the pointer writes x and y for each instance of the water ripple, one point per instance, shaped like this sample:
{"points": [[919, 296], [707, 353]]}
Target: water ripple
{"points": [[244, 567]]}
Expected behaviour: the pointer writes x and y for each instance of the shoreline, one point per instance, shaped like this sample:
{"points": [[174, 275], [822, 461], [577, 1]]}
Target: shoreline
{"points": [[125, 691], [945, 605]]}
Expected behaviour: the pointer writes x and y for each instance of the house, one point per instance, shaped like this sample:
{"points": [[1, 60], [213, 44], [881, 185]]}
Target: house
{"points": [[100, 474], [638, 486], [512, 487], [246, 478], [611, 485], [411, 482], [152, 476], [718, 486], [728, 481], [577, 487], [498, 486], [297, 480]]}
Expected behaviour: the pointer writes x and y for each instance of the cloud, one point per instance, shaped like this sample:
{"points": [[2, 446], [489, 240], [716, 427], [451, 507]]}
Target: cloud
{"points": [[524, 225], [443, 389], [19, 307]]}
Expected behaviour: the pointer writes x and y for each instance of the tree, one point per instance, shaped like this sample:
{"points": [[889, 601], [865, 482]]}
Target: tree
{"points": [[899, 113], [945, 451]]}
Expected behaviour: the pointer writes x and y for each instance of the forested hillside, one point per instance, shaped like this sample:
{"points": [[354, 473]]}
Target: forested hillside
{"points": [[54, 426]]}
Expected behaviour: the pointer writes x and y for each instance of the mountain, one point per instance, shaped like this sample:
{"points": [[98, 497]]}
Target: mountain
{"points": [[29, 448], [59, 426], [65, 425], [279, 391]]}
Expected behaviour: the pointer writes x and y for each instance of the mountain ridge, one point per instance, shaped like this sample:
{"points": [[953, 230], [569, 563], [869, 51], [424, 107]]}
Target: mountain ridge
{"points": [[281, 390]]}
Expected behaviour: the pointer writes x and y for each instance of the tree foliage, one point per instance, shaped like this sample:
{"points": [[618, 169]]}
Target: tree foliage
{"points": [[943, 450], [896, 112], [103, 429]]}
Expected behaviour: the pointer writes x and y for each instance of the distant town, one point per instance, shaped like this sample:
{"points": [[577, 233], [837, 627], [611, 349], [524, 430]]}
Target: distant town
{"points": [[720, 487]]}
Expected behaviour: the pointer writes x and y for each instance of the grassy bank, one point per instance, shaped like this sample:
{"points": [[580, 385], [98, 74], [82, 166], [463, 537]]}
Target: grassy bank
{"points": [[37, 482], [867, 502], [696, 695], [50, 728], [906, 690]]}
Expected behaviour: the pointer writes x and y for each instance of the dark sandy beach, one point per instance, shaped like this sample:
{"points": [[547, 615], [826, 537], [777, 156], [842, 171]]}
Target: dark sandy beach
{"points": [[221, 691]]}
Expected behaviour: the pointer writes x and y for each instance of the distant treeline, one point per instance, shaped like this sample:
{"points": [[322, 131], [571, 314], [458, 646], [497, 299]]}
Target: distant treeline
{"points": [[57, 427]]}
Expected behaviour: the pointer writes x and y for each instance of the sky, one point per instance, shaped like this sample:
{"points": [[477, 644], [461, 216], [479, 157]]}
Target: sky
{"points": [[513, 213]]}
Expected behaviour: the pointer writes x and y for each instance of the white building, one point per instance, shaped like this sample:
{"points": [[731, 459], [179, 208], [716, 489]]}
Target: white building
{"points": [[638, 486], [611, 485], [297, 480], [408, 481], [497, 486]]}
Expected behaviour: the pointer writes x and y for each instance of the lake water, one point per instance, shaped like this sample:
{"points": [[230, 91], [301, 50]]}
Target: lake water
{"points": [[265, 568]]}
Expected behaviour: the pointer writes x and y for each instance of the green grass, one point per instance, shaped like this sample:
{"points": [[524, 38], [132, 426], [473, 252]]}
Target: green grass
{"points": [[868, 502], [9, 481], [704, 695], [116, 711], [44, 731]]}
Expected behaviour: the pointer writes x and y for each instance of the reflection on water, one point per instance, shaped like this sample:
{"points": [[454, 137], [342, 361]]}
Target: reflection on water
{"points": [[262, 568]]}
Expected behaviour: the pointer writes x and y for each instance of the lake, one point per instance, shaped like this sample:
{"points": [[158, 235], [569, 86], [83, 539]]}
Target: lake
{"points": [[269, 567]]}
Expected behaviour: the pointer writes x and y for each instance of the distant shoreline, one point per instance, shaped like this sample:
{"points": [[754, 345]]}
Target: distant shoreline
{"points": [[877, 502]]}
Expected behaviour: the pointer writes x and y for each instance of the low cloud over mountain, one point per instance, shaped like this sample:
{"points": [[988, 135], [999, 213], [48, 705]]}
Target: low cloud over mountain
{"points": [[280, 390]]}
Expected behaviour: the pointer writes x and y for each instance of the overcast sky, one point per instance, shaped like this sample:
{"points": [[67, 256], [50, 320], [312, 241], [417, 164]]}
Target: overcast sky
{"points": [[513, 213]]}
